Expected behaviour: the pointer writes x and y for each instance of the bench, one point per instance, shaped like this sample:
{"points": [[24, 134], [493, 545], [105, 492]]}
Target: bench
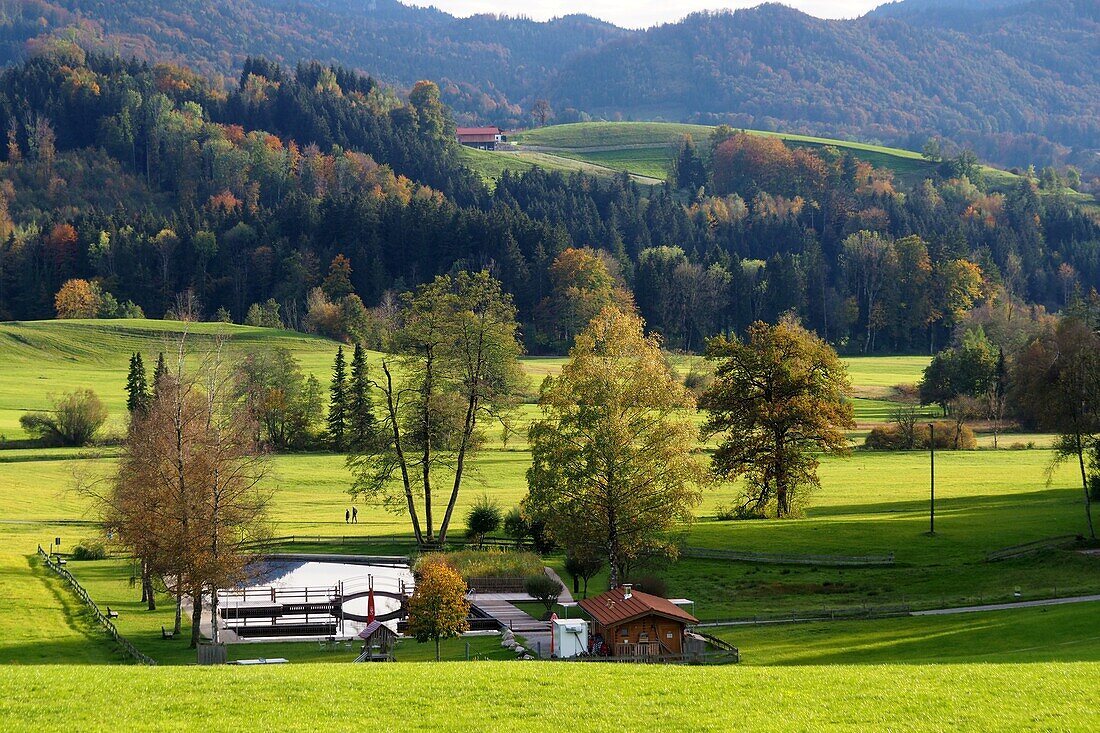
{"points": [[166, 634], [111, 614]]}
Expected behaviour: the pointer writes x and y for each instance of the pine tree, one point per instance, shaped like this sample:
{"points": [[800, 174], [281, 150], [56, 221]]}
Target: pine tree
{"points": [[159, 374], [137, 387], [361, 417], [338, 405]]}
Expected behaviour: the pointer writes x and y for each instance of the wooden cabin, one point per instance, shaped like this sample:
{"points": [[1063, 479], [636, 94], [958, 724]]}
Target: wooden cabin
{"points": [[629, 623]]}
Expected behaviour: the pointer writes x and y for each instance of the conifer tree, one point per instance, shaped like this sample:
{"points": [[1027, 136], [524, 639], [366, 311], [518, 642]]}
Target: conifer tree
{"points": [[361, 418], [338, 404], [137, 386], [159, 374]]}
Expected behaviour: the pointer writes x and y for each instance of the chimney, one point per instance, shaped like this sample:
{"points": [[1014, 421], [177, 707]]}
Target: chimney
{"points": [[626, 590]]}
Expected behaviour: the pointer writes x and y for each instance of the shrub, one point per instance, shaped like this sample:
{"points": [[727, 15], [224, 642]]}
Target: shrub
{"points": [[652, 585], [90, 550], [515, 526], [482, 519], [75, 418], [889, 437], [485, 564], [543, 589], [699, 377]]}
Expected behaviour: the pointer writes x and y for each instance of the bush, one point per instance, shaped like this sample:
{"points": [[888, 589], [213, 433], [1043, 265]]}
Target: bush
{"points": [[652, 585], [699, 377], [75, 418], [889, 437], [486, 564], [543, 589], [90, 550], [515, 526], [482, 519]]}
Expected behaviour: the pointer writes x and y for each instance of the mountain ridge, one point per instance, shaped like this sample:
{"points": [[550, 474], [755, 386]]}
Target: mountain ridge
{"points": [[1013, 80]]}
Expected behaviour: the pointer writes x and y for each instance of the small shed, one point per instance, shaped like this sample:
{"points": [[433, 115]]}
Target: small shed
{"points": [[629, 623], [378, 643]]}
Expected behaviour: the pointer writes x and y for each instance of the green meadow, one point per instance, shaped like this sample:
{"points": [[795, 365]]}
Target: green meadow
{"points": [[1027, 668], [646, 149], [554, 696]]}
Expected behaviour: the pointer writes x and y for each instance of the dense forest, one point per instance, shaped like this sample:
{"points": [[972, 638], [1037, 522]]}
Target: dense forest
{"points": [[1015, 80], [311, 196]]}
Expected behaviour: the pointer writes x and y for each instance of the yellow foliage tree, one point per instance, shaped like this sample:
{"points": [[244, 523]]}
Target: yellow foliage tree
{"points": [[438, 608], [77, 299]]}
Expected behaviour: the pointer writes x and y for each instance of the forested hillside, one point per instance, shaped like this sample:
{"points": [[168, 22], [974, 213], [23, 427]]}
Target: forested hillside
{"points": [[310, 197], [1016, 81]]}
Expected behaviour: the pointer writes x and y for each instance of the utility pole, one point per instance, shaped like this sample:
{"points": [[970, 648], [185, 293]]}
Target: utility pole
{"points": [[932, 479]]}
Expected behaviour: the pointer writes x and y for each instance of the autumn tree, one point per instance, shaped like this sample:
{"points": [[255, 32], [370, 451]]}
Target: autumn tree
{"points": [[337, 283], [583, 285], [438, 608], [77, 299], [457, 369], [187, 498], [778, 401], [613, 466], [1056, 385], [431, 114]]}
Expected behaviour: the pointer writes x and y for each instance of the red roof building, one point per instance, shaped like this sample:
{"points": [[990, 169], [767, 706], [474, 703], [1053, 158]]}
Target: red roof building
{"points": [[629, 623], [485, 138]]}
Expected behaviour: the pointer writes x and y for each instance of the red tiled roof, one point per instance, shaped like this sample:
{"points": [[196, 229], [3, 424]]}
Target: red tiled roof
{"points": [[462, 131], [613, 607]]}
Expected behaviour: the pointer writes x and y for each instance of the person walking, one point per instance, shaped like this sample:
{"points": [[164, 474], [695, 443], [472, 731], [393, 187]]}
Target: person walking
{"points": [[347, 516], [354, 515]]}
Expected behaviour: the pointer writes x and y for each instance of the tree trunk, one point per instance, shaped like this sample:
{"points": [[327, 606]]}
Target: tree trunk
{"points": [[179, 613], [427, 456], [148, 591], [392, 409], [437, 648], [1085, 485], [196, 617]]}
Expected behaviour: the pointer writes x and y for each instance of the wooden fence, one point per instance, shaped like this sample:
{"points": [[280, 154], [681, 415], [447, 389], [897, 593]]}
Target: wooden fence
{"points": [[408, 542], [770, 558], [101, 617], [1032, 548]]}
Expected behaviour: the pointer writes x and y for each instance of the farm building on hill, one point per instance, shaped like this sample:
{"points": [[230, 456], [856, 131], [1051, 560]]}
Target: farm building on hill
{"points": [[483, 138], [628, 623]]}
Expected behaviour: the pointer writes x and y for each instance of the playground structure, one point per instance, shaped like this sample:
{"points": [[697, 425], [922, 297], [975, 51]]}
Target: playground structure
{"points": [[307, 611]]}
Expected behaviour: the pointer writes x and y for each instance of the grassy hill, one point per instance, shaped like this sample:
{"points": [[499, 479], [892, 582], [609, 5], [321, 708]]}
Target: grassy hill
{"points": [[645, 149], [41, 358]]}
